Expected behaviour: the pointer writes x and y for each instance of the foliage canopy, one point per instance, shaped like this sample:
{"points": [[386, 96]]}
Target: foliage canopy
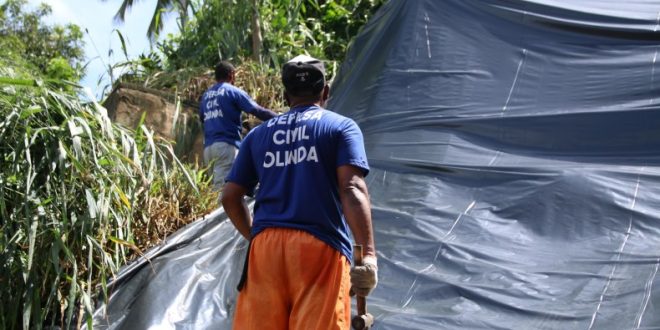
{"points": [[54, 51], [226, 29], [162, 8]]}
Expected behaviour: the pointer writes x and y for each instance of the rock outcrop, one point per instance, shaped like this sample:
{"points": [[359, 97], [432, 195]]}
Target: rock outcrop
{"points": [[178, 123]]}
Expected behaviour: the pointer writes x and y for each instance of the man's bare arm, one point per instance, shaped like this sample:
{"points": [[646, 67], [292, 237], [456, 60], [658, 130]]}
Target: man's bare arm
{"points": [[262, 113], [356, 206], [236, 208]]}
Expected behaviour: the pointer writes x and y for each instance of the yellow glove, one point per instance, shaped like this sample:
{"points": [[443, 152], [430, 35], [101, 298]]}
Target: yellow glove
{"points": [[364, 278]]}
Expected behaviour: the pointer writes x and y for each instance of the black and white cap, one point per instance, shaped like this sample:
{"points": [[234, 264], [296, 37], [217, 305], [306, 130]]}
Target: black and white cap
{"points": [[303, 75]]}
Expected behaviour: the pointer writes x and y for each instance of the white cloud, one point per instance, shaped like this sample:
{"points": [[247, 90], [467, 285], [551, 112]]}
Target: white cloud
{"points": [[61, 14]]}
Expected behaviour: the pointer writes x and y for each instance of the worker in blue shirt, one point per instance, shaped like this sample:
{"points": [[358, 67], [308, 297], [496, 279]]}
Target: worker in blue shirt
{"points": [[220, 113], [310, 165]]}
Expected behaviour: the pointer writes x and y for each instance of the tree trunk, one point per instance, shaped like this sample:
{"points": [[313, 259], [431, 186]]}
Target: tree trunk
{"points": [[183, 12], [256, 32]]}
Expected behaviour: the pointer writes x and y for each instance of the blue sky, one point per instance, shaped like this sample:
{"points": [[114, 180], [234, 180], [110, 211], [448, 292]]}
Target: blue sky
{"points": [[97, 17]]}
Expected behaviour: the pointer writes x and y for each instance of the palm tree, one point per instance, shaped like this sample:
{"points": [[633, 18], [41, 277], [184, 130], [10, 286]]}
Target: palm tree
{"points": [[162, 6]]}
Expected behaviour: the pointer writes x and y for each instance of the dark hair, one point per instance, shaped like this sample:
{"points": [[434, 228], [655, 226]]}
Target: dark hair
{"points": [[223, 70], [308, 92]]}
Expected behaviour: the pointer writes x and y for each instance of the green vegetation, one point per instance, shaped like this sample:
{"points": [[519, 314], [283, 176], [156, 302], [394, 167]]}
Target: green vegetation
{"points": [[268, 31], [80, 196], [162, 7], [52, 51], [257, 36]]}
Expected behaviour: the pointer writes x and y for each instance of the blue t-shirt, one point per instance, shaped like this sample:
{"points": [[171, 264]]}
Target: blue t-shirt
{"points": [[294, 157], [220, 110]]}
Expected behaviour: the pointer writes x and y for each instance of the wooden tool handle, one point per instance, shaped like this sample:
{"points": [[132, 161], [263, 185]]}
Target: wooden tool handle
{"points": [[361, 302], [357, 254]]}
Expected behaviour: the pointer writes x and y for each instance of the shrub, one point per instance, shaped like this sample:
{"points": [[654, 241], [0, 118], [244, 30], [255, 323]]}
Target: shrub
{"points": [[79, 198]]}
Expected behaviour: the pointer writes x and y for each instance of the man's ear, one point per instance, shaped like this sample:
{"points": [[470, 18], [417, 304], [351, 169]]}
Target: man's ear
{"points": [[325, 95], [287, 99], [232, 76]]}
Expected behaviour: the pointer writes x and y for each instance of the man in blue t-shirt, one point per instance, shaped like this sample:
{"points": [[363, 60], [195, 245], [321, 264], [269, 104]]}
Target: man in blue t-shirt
{"points": [[310, 165], [220, 113]]}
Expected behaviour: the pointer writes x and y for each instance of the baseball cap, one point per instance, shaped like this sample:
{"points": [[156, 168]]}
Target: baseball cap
{"points": [[303, 75]]}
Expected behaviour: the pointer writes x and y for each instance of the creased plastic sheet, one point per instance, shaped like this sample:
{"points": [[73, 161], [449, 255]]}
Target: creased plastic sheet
{"points": [[189, 282], [515, 184]]}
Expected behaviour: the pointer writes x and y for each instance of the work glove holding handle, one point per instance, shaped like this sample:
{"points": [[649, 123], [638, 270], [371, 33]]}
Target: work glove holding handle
{"points": [[364, 278]]}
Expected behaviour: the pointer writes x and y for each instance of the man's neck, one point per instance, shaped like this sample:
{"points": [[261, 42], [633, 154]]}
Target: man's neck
{"points": [[304, 104], [296, 102]]}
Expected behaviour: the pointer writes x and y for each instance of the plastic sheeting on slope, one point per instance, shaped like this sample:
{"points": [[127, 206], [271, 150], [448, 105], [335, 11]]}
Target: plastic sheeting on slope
{"points": [[515, 181], [189, 282]]}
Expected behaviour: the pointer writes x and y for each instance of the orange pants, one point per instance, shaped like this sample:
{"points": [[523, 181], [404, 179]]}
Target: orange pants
{"points": [[294, 281]]}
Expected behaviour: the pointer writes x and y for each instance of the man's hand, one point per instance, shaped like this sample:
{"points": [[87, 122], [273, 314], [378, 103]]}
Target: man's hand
{"points": [[364, 278]]}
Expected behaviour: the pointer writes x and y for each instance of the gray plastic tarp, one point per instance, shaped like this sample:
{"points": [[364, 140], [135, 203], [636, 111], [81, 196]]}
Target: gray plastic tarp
{"points": [[515, 184]]}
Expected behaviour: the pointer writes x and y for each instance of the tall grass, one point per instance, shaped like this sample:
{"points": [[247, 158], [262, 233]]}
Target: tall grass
{"points": [[262, 83], [79, 197], [258, 80]]}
